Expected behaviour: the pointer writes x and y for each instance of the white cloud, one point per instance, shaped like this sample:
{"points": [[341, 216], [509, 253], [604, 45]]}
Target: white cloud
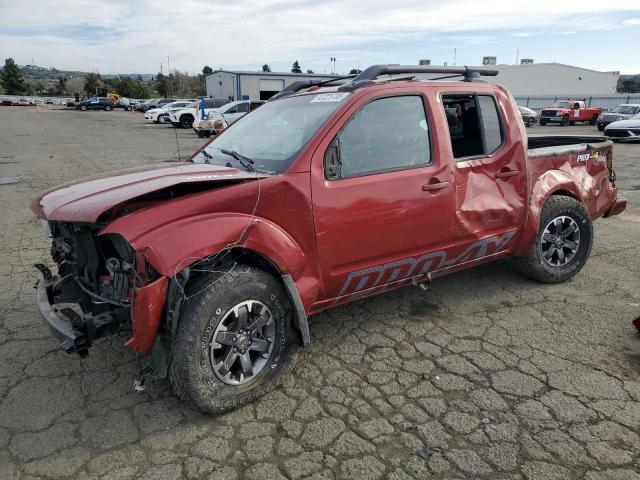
{"points": [[198, 32], [632, 21]]}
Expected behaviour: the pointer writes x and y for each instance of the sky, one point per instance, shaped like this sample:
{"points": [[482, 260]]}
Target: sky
{"points": [[137, 36]]}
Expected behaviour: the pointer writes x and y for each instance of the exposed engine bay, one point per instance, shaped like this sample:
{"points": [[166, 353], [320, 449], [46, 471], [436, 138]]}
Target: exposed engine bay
{"points": [[96, 280]]}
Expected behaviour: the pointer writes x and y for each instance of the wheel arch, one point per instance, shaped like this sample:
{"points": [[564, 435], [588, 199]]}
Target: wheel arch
{"points": [[551, 183]]}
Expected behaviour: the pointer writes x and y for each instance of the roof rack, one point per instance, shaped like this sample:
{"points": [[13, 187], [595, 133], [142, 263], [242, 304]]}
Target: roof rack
{"points": [[369, 76]]}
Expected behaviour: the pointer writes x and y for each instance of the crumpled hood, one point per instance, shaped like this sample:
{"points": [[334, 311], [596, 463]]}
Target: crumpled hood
{"points": [[84, 200], [631, 123]]}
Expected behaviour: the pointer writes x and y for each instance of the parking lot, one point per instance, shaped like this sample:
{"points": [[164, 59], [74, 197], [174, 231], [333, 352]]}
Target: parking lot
{"points": [[488, 375]]}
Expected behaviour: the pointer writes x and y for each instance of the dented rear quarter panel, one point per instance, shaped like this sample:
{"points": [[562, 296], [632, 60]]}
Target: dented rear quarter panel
{"points": [[578, 170]]}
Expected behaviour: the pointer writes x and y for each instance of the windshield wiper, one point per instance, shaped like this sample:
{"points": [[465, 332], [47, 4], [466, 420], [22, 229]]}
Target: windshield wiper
{"points": [[246, 162], [207, 155]]}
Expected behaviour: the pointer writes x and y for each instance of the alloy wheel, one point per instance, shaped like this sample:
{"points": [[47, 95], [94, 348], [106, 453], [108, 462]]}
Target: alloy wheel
{"points": [[560, 241], [242, 342]]}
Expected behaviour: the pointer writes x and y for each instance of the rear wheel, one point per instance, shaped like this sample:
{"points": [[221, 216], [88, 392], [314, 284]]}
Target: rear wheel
{"points": [[601, 128], [235, 341], [565, 121], [108, 108], [563, 243], [542, 123], [594, 120], [83, 107], [186, 121]]}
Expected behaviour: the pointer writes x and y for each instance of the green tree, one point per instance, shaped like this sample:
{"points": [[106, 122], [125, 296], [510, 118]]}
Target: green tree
{"points": [[354, 71], [266, 68], [207, 70], [92, 82], [295, 68], [162, 84], [61, 86], [11, 78]]}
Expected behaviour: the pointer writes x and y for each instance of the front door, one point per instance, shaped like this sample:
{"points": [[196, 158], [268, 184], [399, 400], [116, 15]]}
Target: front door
{"points": [[381, 197]]}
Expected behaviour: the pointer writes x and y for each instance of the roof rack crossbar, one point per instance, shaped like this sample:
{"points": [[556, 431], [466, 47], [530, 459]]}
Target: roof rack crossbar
{"points": [[375, 71]]}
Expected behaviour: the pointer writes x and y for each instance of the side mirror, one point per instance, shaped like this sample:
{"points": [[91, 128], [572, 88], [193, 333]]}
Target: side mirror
{"points": [[332, 162]]}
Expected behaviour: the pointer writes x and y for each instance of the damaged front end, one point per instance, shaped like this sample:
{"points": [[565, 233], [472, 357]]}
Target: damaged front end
{"points": [[103, 287]]}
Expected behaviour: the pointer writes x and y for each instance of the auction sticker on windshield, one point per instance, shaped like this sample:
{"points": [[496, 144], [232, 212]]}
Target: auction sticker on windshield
{"points": [[329, 97]]}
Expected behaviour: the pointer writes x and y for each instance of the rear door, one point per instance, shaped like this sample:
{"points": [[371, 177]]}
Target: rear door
{"points": [[489, 172], [381, 197]]}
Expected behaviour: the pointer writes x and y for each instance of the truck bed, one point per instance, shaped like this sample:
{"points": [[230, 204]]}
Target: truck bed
{"points": [[564, 143]]}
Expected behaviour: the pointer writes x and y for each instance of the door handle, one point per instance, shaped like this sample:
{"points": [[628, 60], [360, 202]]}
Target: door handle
{"points": [[507, 173], [430, 187]]}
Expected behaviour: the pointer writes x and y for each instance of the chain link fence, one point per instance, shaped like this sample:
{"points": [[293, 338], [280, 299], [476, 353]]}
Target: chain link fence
{"points": [[538, 102]]}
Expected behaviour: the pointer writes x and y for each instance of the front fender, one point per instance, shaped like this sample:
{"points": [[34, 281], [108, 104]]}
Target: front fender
{"points": [[549, 183], [174, 246]]}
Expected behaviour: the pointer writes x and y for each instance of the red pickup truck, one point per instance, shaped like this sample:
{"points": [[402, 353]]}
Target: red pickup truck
{"points": [[568, 112], [330, 192]]}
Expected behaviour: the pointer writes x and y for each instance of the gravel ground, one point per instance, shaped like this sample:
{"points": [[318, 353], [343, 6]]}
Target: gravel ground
{"points": [[489, 375]]}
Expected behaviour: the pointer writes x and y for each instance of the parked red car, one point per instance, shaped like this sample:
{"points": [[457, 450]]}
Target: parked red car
{"points": [[568, 112], [331, 192]]}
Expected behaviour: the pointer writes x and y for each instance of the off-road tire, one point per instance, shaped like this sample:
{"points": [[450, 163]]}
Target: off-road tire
{"points": [[210, 298], [534, 266]]}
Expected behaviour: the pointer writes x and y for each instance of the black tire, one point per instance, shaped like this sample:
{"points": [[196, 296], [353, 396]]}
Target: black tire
{"points": [[535, 266], [601, 128], [594, 120], [542, 123], [108, 108], [200, 134], [83, 108], [565, 121], [186, 121], [212, 299], [572, 123], [129, 108]]}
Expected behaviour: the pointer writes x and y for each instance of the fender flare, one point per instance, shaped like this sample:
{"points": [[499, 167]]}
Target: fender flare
{"points": [[552, 182], [170, 251]]}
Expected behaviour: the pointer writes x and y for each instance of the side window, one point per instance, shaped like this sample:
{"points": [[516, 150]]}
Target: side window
{"points": [[474, 124], [386, 134], [242, 108], [254, 105], [232, 110], [491, 123]]}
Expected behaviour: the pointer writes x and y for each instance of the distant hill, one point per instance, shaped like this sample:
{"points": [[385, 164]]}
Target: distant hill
{"points": [[36, 72]]}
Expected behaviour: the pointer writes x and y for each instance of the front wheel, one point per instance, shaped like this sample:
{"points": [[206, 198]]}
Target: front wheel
{"points": [[108, 108], [83, 108], [565, 121], [601, 128], [235, 341], [563, 243], [594, 120]]}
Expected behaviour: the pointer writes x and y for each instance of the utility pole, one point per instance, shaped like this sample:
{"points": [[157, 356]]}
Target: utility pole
{"points": [[517, 55], [455, 55], [168, 78]]}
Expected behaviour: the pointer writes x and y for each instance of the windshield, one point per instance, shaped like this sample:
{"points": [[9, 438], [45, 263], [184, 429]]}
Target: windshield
{"points": [[274, 134], [563, 105], [625, 109]]}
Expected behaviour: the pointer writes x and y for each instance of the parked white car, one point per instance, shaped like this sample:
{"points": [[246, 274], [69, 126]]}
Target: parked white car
{"points": [[184, 117], [218, 119], [157, 115]]}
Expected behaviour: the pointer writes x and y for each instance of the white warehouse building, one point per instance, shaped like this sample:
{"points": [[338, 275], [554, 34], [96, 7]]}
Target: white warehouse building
{"points": [[243, 85], [554, 79], [526, 79]]}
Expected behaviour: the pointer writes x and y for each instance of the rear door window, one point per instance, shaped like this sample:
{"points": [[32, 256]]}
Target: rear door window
{"points": [[475, 125]]}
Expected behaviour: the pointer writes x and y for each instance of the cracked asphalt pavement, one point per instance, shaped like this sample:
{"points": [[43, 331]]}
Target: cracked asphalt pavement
{"points": [[489, 375]]}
